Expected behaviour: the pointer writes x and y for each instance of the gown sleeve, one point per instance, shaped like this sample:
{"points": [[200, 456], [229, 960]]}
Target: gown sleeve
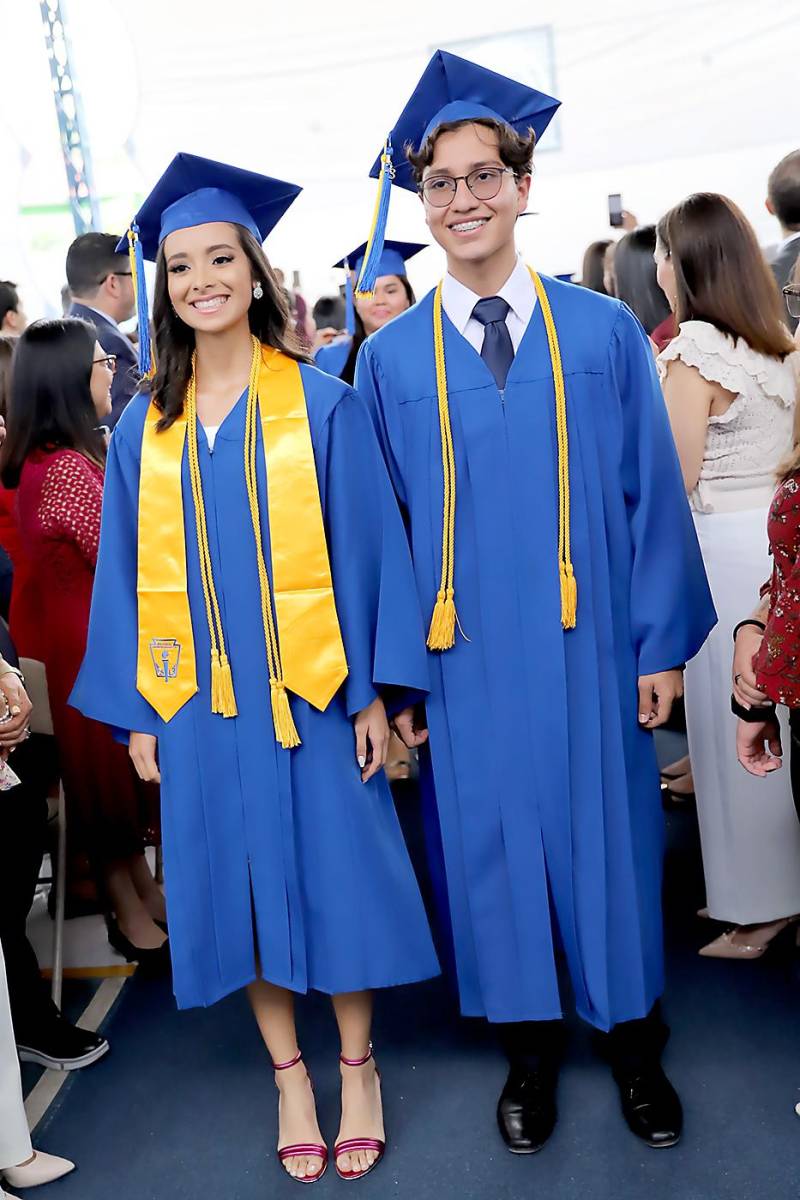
{"points": [[371, 386], [105, 689], [672, 612], [376, 596]]}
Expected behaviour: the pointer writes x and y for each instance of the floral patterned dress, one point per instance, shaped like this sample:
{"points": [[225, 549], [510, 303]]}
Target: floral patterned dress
{"points": [[111, 814], [777, 662]]}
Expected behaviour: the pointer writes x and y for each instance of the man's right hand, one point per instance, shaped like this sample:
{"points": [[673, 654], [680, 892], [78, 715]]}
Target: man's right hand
{"points": [[142, 749], [405, 727]]}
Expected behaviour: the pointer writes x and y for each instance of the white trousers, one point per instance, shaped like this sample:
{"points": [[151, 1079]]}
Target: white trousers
{"points": [[15, 1140], [748, 827]]}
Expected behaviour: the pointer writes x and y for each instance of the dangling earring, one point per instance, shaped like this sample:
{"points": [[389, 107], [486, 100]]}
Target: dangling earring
{"points": [[258, 291]]}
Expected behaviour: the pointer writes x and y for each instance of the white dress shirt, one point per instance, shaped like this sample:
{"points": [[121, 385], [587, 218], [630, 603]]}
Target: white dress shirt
{"points": [[518, 291]]}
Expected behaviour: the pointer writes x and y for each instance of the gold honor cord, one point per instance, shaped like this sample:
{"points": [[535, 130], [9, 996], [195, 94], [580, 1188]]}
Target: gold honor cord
{"points": [[443, 621], [285, 729], [223, 699]]}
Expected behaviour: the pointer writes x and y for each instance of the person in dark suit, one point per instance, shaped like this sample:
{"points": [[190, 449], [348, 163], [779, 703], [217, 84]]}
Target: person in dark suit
{"points": [[783, 201], [101, 286]]}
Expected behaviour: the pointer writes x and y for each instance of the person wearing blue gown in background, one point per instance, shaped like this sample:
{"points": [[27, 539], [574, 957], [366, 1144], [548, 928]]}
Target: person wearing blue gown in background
{"points": [[393, 294], [285, 865], [529, 447]]}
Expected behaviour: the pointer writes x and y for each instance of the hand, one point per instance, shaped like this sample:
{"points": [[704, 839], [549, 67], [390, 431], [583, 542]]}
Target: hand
{"points": [[142, 749], [748, 643], [750, 739], [657, 694], [372, 734], [15, 729], [629, 221], [3, 430], [404, 725], [324, 337]]}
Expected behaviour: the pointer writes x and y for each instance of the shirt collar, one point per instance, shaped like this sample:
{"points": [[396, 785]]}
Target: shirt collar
{"points": [[788, 241], [105, 316], [518, 291]]}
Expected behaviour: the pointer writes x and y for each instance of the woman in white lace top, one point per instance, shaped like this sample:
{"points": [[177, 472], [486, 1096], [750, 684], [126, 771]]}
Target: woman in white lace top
{"points": [[730, 382]]}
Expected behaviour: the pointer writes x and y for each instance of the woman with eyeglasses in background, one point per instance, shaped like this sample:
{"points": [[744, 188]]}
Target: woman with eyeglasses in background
{"points": [[54, 455]]}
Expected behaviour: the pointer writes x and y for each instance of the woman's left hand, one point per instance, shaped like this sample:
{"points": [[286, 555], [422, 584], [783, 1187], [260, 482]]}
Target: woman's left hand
{"points": [[15, 729], [372, 734]]}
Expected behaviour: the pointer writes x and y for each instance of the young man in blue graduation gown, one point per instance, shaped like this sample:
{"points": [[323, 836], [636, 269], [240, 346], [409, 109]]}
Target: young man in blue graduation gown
{"points": [[526, 435]]}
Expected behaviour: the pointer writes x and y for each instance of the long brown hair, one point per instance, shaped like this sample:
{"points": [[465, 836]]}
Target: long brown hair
{"points": [[270, 321], [721, 274]]}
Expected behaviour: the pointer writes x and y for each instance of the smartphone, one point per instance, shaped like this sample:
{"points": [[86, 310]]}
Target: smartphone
{"points": [[615, 211]]}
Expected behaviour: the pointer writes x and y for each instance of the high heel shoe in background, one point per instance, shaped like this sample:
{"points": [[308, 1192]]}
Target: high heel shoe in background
{"points": [[43, 1168], [724, 946]]}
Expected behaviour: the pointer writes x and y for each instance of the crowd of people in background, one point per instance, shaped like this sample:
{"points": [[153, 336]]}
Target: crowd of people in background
{"points": [[721, 315]]}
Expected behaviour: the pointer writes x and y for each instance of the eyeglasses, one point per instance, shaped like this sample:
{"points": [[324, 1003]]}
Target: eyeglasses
{"points": [[110, 361], [484, 183], [792, 294]]}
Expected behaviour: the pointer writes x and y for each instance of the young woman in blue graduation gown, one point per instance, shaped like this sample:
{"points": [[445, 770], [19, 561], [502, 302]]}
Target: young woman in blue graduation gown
{"points": [[285, 868]]}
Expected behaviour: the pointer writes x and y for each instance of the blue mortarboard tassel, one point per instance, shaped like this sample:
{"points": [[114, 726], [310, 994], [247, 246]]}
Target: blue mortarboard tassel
{"points": [[146, 362], [372, 255], [350, 308]]}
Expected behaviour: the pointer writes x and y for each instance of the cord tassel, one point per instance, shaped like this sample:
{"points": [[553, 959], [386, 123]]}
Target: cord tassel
{"points": [[224, 688], [282, 719], [442, 634], [372, 255], [569, 597], [146, 363]]}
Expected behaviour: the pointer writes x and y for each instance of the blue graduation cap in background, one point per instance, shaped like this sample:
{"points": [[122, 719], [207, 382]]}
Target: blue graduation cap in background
{"points": [[450, 89], [196, 191], [392, 262]]}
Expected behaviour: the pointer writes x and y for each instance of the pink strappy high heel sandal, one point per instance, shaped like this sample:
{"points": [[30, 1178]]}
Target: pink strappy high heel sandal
{"points": [[351, 1144], [311, 1148]]}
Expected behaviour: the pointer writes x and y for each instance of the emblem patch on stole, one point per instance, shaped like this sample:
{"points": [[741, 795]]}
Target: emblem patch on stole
{"points": [[166, 656]]}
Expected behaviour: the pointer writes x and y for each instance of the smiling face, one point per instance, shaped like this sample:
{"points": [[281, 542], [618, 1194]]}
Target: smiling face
{"points": [[471, 230], [209, 277], [389, 301]]}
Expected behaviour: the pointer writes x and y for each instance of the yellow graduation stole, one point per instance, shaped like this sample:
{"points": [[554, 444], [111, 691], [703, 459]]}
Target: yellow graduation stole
{"points": [[443, 621], [305, 653]]}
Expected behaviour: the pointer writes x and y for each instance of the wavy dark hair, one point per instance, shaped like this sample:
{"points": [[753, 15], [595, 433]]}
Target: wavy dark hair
{"points": [[721, 275], [515, 149], [360, 336], [51, 402], [635, 274], [594, 266], [270, 321]]}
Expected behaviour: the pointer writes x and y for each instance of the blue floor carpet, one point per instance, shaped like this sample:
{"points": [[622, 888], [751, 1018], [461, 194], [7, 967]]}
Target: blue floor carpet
{"points": [[184, 1108]]}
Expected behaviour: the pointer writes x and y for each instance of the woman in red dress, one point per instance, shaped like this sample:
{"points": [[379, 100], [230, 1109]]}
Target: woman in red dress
{"points": [[54, 455]]}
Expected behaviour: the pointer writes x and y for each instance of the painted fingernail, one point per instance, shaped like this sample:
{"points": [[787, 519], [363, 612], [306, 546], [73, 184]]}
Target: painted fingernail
{"points": [[362, 762]]}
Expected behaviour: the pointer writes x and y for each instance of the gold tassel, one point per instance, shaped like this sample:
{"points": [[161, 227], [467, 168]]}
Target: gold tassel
{"points": [[225, 694], [569, 597], [285, 728], [442, 633]]}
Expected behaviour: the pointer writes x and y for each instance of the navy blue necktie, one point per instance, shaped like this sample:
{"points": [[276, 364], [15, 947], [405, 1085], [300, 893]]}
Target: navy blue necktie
{"points": [[497, 350]]}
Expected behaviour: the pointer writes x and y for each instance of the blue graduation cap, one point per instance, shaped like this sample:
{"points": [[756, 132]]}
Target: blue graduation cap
{"points": [[450, 89], [391, 262], [196, 191]]}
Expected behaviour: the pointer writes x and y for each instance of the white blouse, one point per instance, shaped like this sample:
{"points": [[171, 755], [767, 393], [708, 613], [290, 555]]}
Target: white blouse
{"points": [[745, 444]]}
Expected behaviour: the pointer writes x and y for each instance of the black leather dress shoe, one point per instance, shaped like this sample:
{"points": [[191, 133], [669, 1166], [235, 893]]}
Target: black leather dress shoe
{"points": [[651, 1106], [526, 1110]]}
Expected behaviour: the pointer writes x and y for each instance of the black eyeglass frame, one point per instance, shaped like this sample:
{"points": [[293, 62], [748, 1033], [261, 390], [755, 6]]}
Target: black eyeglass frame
{"points": [[454, 180], [109, 359], [791, 293]]}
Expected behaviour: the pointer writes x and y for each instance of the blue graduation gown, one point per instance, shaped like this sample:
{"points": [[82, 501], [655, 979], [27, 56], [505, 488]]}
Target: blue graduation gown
{"points": [[546, 788], [333, 359], [293, 837]]}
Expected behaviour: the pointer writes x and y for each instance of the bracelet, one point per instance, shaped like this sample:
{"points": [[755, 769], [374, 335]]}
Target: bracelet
{"points": [[752, 715], [750, 621]]}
